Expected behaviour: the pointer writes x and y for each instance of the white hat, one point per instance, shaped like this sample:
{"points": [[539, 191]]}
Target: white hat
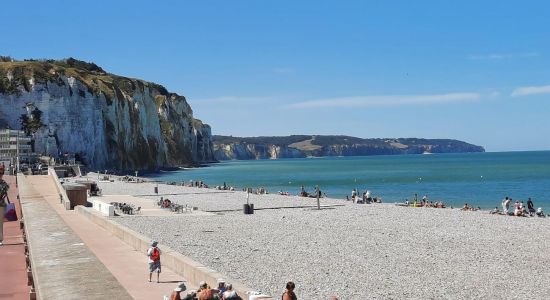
{"points": [[202, 283], [180, 287], [221, 280], [540, 209]]}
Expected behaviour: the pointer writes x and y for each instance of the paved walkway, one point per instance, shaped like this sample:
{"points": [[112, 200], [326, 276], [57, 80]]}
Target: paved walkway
{"points": [[62, 265], [13, 268], [128, 266]]}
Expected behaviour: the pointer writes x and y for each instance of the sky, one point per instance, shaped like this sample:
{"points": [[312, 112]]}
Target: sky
{"points": [[477, 71]]}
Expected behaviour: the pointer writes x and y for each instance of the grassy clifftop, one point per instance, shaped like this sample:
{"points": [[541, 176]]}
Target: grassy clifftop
{"points": [[15, 74], [315, 142]]}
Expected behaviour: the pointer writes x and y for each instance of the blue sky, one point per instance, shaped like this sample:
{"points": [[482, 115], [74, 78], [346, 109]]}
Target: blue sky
{"points": [[477, 71]]}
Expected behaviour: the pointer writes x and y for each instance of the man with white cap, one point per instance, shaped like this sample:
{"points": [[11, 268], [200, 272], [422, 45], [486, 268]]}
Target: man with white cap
{"points": [[153, 258], [221, 286], [176, 293]]}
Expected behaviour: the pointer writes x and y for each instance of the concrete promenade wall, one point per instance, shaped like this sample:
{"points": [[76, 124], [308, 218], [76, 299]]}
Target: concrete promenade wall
{"points": [[104, 208], [193, 271], [64, 199]]}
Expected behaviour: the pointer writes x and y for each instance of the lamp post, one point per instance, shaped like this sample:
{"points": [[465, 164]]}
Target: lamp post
{"points": [[16, 154], [17, 151]]}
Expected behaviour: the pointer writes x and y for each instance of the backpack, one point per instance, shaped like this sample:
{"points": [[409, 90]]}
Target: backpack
{"points": [[155, 255]]}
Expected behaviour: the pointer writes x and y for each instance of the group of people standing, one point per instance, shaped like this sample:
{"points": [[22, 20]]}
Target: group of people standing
{"points": [[520, 210], [365, 197]]}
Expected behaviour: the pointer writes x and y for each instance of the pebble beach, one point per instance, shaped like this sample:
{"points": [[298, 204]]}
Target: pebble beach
{"points": [[352, 251]]}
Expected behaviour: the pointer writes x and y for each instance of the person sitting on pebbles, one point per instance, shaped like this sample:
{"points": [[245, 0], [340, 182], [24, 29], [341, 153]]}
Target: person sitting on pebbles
{"points": [[221, 286], [206, 293], [466, 207], [177, 291], [289, 292], [230, 294]]}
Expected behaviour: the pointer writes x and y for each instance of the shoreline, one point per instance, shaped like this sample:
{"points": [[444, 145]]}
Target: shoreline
{"points": [[485, 208]]}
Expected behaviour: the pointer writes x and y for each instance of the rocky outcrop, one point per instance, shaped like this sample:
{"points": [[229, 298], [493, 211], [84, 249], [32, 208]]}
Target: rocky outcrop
{"points": [[108, 121], [226, 148]]}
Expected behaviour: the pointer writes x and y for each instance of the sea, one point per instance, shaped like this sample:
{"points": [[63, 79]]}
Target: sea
{"points": [[479, 179]]}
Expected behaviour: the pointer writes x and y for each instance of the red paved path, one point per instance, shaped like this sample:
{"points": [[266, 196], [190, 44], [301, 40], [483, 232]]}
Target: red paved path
{"points": [[13, 268], [128, 266]]}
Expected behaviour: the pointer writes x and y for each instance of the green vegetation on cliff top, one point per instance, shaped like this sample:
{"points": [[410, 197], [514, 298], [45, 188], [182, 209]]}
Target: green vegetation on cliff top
{"points": [[15, 74]]}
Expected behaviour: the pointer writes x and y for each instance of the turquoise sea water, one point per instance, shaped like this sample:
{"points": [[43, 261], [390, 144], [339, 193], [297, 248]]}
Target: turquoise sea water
{"points": [[480, 179]]}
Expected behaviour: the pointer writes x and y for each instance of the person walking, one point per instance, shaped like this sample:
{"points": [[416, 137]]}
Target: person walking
{"points": [[153, 258], [289, 292], [4, 200]]}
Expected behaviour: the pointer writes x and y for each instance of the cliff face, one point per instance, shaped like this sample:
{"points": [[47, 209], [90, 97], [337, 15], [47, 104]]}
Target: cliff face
{"points": [[108, 120], [226, 148], [244, 151]]}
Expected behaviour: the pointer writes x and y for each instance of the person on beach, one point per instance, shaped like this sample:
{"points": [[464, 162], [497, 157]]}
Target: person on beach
{"points": [[4, 200], [176, 294], [221, 286], [230, 294], [518, 209], [495, 211], [506, 205], [530, 207], [206, 293], [202, 286], [540, 213], [289, 292], [353, 195], [368, 196], [153, 258]]}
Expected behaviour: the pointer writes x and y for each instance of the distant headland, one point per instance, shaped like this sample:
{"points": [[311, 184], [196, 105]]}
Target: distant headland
{"points": [[299, 146]]}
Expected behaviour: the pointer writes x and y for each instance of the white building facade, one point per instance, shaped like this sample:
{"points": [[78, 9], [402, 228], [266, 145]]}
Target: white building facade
{"points": [[13, 143]]}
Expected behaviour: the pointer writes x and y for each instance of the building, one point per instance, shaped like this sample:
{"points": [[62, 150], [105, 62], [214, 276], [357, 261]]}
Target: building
{"points": [[13, 142]]}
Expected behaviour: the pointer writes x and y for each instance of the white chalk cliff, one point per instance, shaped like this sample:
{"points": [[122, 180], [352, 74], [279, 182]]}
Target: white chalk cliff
{"points": [[109, 121]]}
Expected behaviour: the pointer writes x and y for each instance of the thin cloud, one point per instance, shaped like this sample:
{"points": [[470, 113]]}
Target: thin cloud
{"points": [[500, 56], [493, 94], [531, 90], [283, 70], [232, 100], [386, 100]]}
